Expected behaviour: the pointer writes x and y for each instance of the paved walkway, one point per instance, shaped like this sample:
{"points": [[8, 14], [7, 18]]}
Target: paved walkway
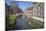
{"points": [[37, 18]]}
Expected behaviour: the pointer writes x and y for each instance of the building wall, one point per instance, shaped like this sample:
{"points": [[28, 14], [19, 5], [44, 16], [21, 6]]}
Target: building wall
{"points": [[28, 13], [38, 10], [42, 10]]}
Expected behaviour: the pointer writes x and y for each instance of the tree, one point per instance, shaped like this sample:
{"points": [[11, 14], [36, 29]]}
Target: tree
{"points": [[7, 9], [15, 8]]}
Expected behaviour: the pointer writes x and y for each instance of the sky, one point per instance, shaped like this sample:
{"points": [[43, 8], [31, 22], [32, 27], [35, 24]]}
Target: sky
{"points": [[24, 5], [21, 4]]}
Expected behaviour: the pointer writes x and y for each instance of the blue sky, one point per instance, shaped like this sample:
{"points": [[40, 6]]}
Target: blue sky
{"points": [[24, 5], [21, 4]]}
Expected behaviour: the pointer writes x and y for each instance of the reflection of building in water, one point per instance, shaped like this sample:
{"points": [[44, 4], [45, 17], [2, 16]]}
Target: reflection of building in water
{"points": [[38, 9]]}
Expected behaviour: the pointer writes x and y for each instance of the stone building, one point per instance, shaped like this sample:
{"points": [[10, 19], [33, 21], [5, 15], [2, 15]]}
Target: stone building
{"points": [[38, 9]]}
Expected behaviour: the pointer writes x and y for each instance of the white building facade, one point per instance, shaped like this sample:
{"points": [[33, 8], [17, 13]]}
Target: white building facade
{"points": [[38, 9]]}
